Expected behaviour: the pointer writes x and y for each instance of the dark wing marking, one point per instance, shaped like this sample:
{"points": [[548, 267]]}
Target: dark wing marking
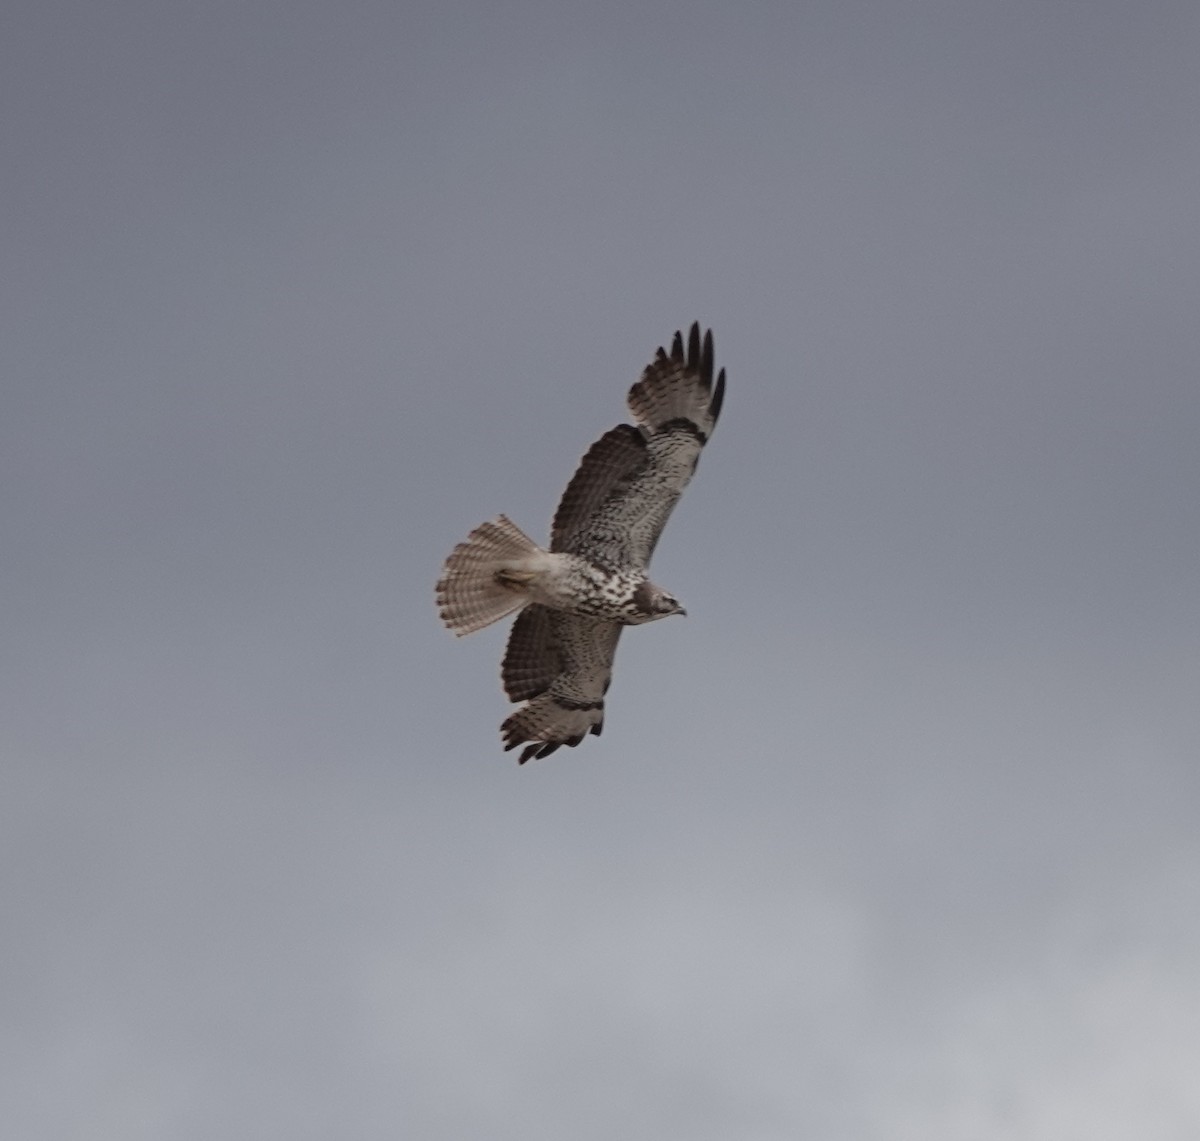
{"points": [[563, 705], [610, 462], [677, 404]]}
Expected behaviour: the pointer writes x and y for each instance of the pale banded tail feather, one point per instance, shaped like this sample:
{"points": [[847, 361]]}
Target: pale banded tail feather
{"points": [[486, 578]]}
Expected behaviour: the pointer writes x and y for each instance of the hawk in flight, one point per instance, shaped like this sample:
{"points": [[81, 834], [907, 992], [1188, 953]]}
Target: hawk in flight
{"points": [[575, 598]]}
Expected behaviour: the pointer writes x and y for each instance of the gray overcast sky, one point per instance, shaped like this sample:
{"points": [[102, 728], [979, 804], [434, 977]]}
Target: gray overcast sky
{"points": [[894, 837]]}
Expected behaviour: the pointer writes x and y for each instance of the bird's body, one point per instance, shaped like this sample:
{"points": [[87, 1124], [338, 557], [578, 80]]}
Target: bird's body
{"points": [[576, 585], [576, 597]]}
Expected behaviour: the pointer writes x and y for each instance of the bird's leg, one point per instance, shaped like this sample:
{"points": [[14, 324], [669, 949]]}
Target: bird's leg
{"points": [[515, 579]]}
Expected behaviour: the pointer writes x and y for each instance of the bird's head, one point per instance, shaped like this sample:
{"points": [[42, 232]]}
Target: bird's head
{"points": [[653, 602]]}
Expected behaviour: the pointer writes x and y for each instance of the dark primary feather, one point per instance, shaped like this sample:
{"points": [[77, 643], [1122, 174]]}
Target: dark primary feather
{"points": [[680, 386], [620, 498]]}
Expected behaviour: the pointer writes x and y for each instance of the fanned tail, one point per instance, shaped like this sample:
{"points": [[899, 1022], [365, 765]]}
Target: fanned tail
{"points": [[487, 577]]}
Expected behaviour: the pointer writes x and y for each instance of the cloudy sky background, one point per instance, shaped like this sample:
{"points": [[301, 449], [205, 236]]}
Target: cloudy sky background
{"points": [[894, 837]]}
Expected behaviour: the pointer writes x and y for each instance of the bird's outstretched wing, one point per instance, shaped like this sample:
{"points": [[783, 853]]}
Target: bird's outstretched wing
{"points": [[620, 498], [558, 662], [560, 665], [611, 463]]}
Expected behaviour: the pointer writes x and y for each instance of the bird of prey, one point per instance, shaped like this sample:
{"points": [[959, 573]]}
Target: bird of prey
{"points": [[575, 598]]}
